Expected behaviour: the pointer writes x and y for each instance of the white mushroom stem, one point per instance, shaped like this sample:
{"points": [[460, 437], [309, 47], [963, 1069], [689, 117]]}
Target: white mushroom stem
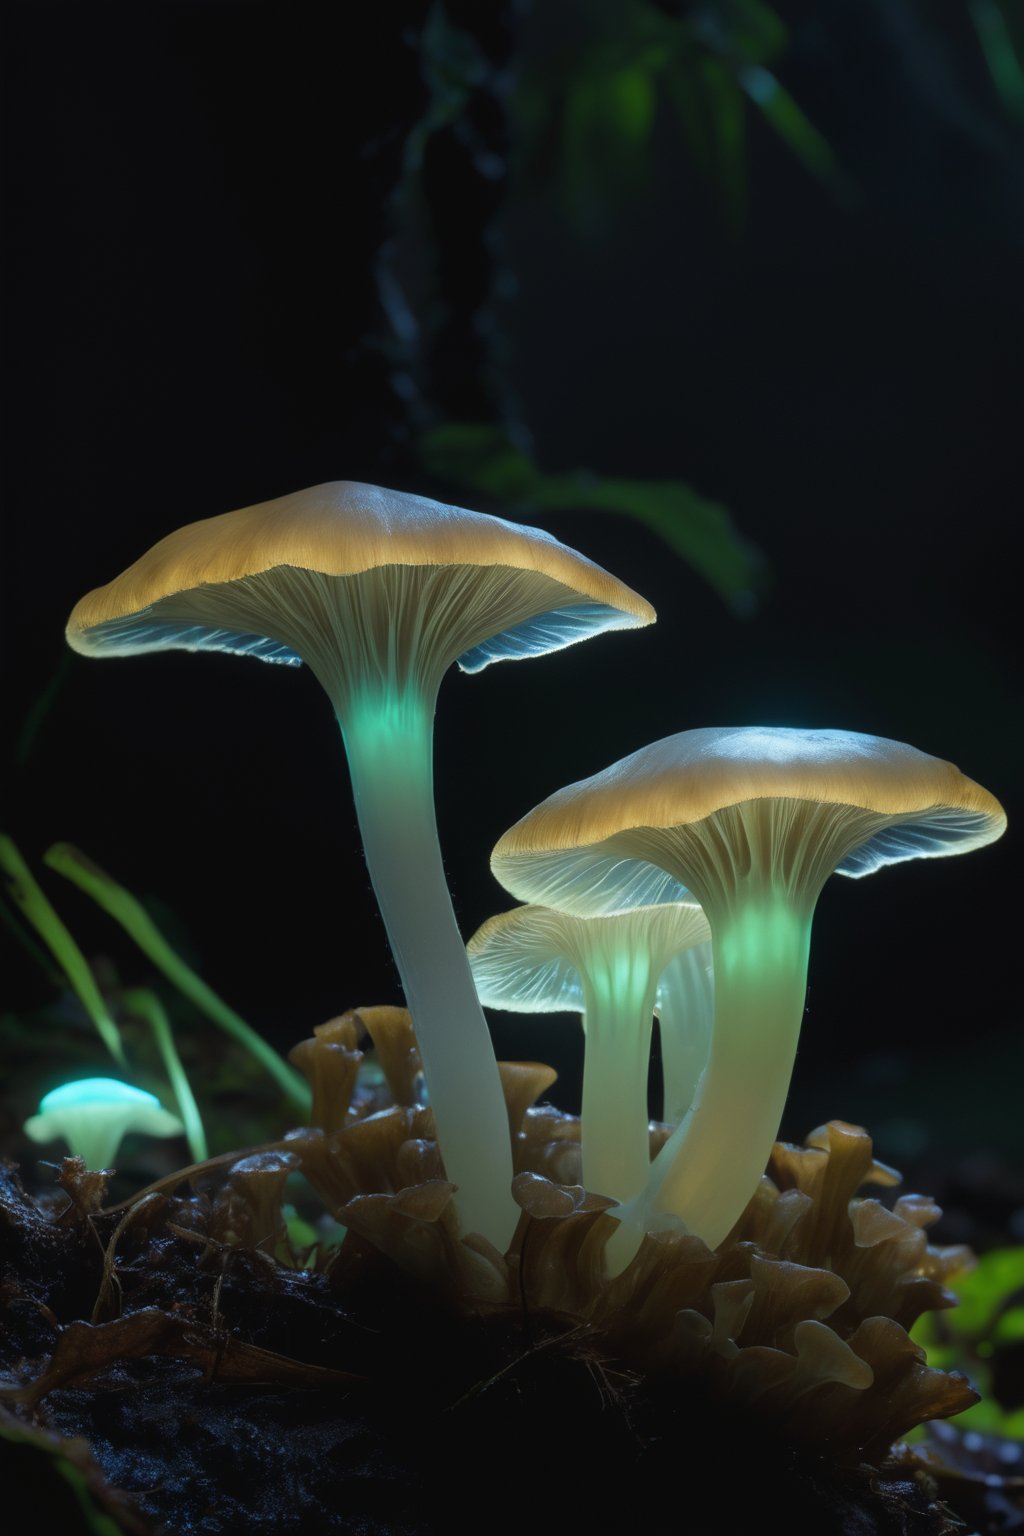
{"points": [[711, 1164], [685, 1006], [757, 869], [707, 1171], [618, 995], [388, 738]]}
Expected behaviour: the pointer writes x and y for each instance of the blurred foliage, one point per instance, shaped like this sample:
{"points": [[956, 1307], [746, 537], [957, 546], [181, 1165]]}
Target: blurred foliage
{"points": [[591, 107], [483, 458], [984, 1337], [706, 66], [1000, 29], [66, 1483]]}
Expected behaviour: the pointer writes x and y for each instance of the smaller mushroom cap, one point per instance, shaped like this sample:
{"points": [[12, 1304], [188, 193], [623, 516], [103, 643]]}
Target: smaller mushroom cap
{"points": [[529, 960], [607, 969], [92, 1115]]}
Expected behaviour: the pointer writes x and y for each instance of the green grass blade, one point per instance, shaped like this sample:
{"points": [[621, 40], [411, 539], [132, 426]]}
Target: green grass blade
{"points": [[996, 42], [137, 923], [26, 893], [146, 1003], [700, 531]]}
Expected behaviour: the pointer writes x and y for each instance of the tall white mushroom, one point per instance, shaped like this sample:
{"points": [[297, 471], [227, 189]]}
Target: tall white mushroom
{"points": [[752, 820], [379, 592]]}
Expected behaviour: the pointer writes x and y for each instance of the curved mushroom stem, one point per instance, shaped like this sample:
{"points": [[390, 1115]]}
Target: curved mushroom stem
{"points": [[389, 741], [618, 997], [710, 1167], [685, 1002]]}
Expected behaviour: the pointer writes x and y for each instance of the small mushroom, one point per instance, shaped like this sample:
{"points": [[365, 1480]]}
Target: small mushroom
{"points": [[379, 592], [607, 968], [752, 821], [94, 1113]]}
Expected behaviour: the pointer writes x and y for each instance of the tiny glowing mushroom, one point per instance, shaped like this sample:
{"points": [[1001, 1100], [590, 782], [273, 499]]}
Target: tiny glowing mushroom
{"points": [[607, 968], [93, 1115], [379, 592], [752, 820]]}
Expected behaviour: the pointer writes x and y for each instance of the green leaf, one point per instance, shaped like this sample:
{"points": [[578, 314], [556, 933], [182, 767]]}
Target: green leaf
{"points": [[27, 894], [1004, 66], [1009, 1328], [630, 104], [986, 1291], [792, 125], [726, 111], [702, 532], [36, 1458], [606, 131]]}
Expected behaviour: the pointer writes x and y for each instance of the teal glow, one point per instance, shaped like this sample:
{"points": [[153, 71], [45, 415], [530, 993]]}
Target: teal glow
{"points": [[765, 937], [388, 740], [96, 1090], [92, 1115], [708, 1169], [390, 721], [619, 980]]}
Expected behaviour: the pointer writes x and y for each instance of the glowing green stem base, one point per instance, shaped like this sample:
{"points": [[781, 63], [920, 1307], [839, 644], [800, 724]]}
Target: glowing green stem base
{"points": [[619, 1008], [389, 743], [710, 1167]]}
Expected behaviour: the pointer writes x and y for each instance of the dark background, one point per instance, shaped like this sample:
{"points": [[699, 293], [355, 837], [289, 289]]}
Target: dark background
{"points": [[252, 247]]}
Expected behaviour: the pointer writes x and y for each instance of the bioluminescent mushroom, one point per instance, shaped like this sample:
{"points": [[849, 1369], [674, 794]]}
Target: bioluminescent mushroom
{"points": [[685, 1008], [751, 820], [539, 960], [379, 592], [94, 1114]]}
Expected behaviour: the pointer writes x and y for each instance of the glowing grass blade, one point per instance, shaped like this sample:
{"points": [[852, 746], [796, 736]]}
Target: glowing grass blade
{"points": [[26, 892], [137, 923], [146, 1003]]}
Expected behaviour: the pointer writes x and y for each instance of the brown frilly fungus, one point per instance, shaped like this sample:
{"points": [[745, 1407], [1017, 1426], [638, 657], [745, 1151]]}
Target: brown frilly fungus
{"points": [[802, 1313]]}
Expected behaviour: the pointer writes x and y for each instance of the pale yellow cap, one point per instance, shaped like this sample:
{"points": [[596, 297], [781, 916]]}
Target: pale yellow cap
{"points": [[685, 779], [343, 528]]}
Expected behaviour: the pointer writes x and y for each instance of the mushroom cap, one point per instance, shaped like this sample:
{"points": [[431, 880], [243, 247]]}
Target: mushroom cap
{"points": [[529, 960], [576, 849], [73, 1109], [345, 529]]}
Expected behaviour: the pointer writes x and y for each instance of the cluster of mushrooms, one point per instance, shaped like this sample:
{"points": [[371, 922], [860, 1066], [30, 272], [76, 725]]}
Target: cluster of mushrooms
{"points": [[679, 882]]}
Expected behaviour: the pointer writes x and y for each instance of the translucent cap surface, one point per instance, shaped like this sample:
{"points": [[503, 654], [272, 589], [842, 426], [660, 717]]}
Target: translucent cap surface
{"points": [[579, 836], [344, 529]]}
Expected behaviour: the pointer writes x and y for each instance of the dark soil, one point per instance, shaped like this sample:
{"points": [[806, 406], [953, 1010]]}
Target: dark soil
{"points": [[205, 1406]]}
